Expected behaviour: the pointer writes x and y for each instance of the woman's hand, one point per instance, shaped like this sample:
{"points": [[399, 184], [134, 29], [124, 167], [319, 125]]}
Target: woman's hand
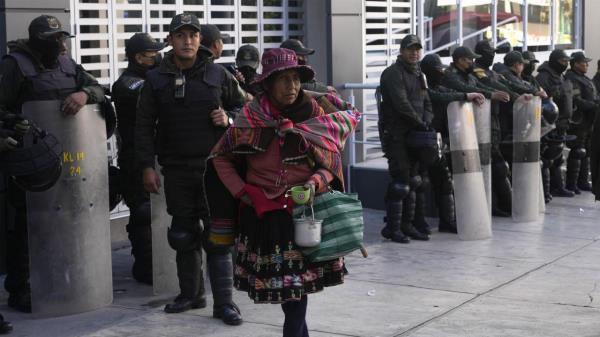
{"points": [[311, 186]]}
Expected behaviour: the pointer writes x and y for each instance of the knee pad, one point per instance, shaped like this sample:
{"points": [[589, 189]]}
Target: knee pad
{"points": [[181, 236], [500, 169], [577, 153], [415, 182], [397, 191], [140, 216], [425, 182], [553, 151]]}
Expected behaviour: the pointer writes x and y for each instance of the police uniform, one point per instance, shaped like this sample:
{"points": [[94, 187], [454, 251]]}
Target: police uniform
{"points": [[404, 107], [125, 94], [439, 173], [30, 73], [173, 122], [550, 77], [478, 82], [587, 103]]}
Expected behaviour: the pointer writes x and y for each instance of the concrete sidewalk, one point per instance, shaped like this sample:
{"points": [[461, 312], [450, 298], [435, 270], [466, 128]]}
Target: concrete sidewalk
{"points": [[531, 279]]}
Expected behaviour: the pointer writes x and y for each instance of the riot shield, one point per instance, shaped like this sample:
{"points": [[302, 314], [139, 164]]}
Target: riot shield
{"points": [[69, 226], [164, 267], [472, 214], [483, 127], [526, 157]]}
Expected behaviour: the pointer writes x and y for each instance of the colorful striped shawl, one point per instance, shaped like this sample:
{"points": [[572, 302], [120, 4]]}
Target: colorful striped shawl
{"points": [[323, 135]]}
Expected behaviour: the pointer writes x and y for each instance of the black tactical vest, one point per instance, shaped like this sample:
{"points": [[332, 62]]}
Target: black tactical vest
{"points": [[47, 84], [185, 129]]}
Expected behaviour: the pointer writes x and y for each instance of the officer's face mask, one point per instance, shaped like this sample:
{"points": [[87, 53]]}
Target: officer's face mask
{"points": [[247, 72], [529, 69], [49, 48], [559, 65], [486, 60]]}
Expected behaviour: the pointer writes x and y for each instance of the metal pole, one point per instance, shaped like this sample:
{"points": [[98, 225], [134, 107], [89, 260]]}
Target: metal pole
{"points": [[553, 16], [421, 9], [525, 20], [578, 22], [459, 10], [494, 23], [352, 151]]}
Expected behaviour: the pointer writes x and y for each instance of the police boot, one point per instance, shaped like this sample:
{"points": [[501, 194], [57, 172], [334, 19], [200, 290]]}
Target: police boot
{"points": [[408, 215], [502, 198], [184, 237], [191, 283], [557, 183], [447, 214], [20, 301], [392, 220], [220, 271], [419, 221], [573, 169], [141, 249], [546, 184], [583, 181], [5, 327]]}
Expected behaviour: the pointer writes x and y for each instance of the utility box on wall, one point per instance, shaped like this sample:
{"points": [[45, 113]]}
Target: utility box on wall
{"points": [[15, 16]]}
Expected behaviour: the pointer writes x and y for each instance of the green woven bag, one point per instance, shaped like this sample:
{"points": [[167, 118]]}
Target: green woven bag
{"points": [[342, 228]]}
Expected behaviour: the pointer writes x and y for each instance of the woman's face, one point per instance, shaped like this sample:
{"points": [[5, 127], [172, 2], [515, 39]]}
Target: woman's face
{"points": [[285, 88]]}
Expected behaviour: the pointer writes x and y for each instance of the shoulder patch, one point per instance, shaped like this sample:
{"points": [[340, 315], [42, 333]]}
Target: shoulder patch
{"points": [[479, 73], [135, 84]]}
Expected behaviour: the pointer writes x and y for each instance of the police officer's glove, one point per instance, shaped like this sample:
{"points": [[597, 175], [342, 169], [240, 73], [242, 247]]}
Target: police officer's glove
{"points": [[7, 144], [22, 127]]}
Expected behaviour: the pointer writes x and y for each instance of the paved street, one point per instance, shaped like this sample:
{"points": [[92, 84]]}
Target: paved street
{"points": [[530, 279]]}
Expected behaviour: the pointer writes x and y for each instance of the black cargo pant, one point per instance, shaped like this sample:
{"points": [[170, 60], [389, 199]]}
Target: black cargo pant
{"points": [[17, 245], [185, 198]]}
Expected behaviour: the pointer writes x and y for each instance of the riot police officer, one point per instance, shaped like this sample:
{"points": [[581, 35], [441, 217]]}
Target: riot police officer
{"points": [[302, 53], [551, 79], [247, 60], [514, 63], [587, 102], [551, 144], [142, 53], [459, 76], [188, 100], [439, 172], [405, 107], [37, 69]]}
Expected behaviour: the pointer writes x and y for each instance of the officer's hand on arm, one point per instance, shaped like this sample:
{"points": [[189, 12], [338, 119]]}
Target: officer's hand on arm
{"points": [[500, 96], [151, 180], [240, 77], [219, 117], [7, 144], [475, 97], [541, 94], [74, 102]]}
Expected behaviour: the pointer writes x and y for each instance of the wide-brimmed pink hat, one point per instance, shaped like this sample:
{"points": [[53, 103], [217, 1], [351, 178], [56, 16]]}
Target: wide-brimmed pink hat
{"points": [[279, 59]]}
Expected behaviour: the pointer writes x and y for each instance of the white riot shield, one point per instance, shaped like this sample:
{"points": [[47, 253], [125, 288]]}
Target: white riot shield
{"points": [[526, 157], [472, 214], [483, 125], [69, 226], [164, 267]]}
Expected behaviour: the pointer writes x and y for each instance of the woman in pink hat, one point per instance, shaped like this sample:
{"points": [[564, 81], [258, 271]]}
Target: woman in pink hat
{"points": [[283, 138]]}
